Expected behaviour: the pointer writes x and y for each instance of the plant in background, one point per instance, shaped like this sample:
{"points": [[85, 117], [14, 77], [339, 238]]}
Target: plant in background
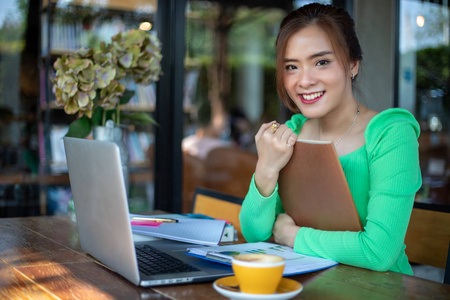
{"points": [[90, 82]]}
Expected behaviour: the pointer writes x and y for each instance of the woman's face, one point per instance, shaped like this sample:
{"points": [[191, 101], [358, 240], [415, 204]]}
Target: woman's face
{"points": [[313, 77]]}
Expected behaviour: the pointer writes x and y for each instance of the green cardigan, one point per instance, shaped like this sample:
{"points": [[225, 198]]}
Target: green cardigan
{"points": [[383, 176]]}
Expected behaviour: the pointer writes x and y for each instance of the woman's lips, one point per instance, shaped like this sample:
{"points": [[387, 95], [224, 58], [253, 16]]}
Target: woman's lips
{"points": [[311, 98]]}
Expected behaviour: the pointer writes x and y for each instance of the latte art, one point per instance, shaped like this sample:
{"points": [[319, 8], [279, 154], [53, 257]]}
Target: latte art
{"points": [[259, 258]]}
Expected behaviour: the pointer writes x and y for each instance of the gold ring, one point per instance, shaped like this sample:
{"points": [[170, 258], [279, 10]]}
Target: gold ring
{"points": [[274, 126]]}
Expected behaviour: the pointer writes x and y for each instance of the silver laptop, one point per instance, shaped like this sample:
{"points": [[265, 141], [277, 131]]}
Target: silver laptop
{"points": [[104, 227]]}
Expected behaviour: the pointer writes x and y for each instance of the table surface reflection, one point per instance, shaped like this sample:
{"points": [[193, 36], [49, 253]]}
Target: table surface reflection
{"points": [[41, 258]]}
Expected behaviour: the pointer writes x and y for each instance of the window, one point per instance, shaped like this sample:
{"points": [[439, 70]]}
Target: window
{"points": [[19, 89], [424, 82], [229, 90]]}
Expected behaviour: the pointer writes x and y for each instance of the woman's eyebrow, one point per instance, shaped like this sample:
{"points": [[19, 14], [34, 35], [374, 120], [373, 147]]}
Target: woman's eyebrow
{"points": [[315, 55], [321, 53]]}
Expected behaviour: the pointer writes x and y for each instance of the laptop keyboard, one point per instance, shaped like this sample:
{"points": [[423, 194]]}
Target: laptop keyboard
{"points": [[152, 261]]}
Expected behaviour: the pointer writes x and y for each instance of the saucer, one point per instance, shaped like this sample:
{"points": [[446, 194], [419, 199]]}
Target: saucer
{"points": [[287, 289]]}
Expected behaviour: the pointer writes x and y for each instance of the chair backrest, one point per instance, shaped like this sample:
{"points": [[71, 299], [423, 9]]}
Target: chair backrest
{"points": [[230, 170], [428, 236], [194, 172], [217, 205], [447, 268]]}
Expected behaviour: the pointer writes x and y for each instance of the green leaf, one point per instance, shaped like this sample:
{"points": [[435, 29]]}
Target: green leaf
{"points": [[80, 128], [140, 117], [109, 115], [125, 98], [96, 119]]}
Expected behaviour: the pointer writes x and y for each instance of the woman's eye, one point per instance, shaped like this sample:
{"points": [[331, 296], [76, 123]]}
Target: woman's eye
{"points": [[290, 67], [322, 62]]}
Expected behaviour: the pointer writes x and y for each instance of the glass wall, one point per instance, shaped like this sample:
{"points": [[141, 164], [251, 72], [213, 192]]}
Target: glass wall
{"points": [[424, 83], [19, 90], [33, 34], [230, 90], [67, 26]]}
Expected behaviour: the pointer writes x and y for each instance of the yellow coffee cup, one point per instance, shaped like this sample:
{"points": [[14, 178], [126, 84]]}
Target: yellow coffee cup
{"points": [[258, 273]]}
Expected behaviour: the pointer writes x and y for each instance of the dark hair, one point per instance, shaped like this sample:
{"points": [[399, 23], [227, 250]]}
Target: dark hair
{"points": [[338, 25]]}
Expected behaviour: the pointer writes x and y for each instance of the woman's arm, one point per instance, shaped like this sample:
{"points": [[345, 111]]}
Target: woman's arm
{"points": [[274, 151], [262, 203], [394, 180], [258, 214]]}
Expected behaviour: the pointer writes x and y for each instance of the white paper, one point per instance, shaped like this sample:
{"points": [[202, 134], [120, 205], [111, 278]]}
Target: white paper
{"points": [[295, 263]]}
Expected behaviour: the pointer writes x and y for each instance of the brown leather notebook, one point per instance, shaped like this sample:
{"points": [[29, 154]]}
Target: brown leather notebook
{"points": [[314, 190]]}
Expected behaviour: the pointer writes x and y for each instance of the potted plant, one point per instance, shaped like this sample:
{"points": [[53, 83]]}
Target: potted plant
{"points": [[89, 82]]}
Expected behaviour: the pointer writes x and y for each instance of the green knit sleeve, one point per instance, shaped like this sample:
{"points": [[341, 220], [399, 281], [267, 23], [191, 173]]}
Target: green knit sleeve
{"points": [[296, 122], [258, 213], [393, 161]]}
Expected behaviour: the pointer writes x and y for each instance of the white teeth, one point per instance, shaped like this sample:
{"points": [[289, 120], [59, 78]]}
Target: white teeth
{"points": [[312, 96]]}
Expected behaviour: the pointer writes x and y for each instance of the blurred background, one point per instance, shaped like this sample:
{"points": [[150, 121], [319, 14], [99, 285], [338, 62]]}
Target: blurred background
{"points": [[217, 87]]}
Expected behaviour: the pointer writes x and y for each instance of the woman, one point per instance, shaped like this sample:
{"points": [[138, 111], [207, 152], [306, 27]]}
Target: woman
{"points": [[318, 60]]}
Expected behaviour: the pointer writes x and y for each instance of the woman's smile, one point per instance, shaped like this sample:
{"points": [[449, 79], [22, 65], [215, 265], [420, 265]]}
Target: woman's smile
{"points": [[311, 97]]}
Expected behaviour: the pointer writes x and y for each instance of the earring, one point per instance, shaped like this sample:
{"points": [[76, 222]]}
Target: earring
{"points": [[353, 76]]}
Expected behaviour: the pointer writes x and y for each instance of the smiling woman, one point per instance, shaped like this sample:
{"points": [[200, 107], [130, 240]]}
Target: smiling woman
{"points": [[316, 62], [318, 57]]}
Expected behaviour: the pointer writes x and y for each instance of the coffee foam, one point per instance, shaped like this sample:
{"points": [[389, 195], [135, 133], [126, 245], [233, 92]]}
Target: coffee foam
{"points": [[259, 258]]}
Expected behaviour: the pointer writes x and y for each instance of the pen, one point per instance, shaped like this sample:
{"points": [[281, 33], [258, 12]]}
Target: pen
{"points": [[218, 256], [155, 219]]}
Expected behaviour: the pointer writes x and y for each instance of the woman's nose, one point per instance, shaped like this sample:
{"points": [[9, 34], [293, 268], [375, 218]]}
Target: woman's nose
{"points": [[306, 78]]}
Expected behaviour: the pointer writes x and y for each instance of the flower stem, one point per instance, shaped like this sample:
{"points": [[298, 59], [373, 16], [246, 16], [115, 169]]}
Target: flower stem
{"points": [[104, 117], [118, 114]]}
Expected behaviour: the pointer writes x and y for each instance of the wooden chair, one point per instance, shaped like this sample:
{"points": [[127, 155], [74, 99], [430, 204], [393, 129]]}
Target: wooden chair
{"points": [[447, 268], [193, 176], [428, 237], [217, 205], [230, 170]]}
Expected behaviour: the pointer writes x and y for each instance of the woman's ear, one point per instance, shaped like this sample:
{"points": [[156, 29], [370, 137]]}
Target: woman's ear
{"points": [[354, 69]]}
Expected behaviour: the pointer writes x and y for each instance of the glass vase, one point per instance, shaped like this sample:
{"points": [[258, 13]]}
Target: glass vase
{"points": [[112, 133]]}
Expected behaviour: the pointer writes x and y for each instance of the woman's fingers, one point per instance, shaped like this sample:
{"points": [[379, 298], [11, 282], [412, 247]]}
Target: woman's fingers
{"points": [[263, 129], [285, 230], [274, 127], [274, 142], [273, 154], [281, 137], [291, 139]]}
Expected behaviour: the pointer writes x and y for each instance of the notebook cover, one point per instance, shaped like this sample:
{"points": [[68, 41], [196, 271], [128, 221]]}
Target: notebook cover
{"points": [[189, 230], [314, 190]]}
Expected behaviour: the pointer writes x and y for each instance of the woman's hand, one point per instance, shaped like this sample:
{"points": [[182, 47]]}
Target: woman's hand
{"points": [[285, 230], [274, 144]]}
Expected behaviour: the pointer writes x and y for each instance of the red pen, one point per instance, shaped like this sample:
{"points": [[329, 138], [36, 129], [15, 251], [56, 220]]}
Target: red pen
{"points": [[146, 223], [155, 219]]}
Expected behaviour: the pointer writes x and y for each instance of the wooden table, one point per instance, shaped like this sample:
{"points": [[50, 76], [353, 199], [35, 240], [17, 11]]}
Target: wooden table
{"points": [[41, 258]]}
